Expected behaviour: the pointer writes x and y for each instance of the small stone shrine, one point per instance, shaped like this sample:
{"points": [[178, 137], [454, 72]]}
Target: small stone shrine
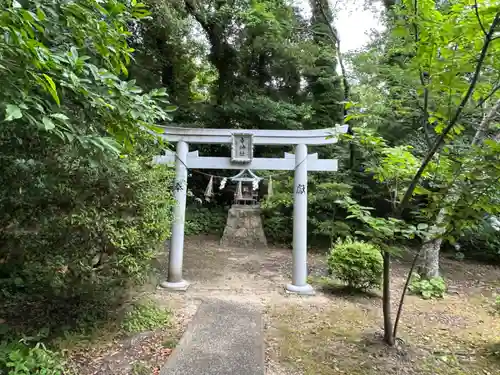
{"points": [[244, 224]]}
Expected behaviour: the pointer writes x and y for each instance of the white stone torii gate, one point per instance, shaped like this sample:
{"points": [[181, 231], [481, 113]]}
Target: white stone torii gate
{"points": [[242, 158]]}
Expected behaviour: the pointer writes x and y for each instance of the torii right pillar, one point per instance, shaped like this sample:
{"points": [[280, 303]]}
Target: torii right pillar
{"points": [[299, 283]]}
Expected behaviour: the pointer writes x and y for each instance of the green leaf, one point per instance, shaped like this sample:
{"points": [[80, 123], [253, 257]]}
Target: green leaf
{"points": [[12, 112], [110, 144], [52, 88], [426, 294], [156, 129], [59, 116], [124, 69], [47, 123]]}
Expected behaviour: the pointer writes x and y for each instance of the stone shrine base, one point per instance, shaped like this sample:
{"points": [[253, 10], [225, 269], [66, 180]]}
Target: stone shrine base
{"points": [[244, 228]]}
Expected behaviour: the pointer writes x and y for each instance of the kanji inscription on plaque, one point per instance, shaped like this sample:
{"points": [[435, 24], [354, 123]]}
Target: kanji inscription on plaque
{"points": [[242, 148]]}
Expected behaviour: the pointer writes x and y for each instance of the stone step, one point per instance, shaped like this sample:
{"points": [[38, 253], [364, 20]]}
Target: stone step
{"points": [[224, 338]]}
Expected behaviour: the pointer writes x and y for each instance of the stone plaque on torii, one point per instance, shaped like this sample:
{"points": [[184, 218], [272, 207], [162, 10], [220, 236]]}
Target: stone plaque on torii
{"points": [[242, 142]]}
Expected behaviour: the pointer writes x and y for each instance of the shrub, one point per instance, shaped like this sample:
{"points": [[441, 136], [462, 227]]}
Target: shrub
{"points": [[326, 221], [428, 288], [359, 264], [20, 359], [481, 242], [204, 220], [78, 233], [81, 209], [83, 225]]}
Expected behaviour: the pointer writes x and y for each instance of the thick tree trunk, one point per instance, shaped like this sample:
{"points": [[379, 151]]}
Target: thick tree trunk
{"points": [[430, 263], [222, 54], [429, 266]]}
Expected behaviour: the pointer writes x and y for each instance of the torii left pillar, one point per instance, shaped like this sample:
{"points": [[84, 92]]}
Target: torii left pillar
{"points": [[176, 255]]}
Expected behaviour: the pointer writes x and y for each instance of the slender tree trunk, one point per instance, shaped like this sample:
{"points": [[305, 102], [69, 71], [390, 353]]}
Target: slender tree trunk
{"points": [[386, 301], [432, 246]]}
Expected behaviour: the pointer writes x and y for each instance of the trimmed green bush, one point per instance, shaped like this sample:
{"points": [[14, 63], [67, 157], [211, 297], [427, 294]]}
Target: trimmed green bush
{"points": [[358, 264], [83, 225]]}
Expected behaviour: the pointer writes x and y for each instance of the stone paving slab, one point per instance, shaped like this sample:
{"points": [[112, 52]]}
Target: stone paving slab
{"points": [[224, 338]]}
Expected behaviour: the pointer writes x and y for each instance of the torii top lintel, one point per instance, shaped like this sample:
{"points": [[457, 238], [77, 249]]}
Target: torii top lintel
{"points": [[260, 136]]}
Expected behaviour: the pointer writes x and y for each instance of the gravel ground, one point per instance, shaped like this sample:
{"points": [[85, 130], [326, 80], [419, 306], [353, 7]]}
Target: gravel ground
{"points": [[334, 332]]}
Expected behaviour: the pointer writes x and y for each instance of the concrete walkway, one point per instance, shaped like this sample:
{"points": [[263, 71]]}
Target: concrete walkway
{"points": [[224, 338]]}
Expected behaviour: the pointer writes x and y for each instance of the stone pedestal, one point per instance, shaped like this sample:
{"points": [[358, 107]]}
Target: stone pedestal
{"points": [[244, 228]]}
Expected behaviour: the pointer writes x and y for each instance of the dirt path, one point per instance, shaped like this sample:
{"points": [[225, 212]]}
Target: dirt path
{"points": [[256, 277]]}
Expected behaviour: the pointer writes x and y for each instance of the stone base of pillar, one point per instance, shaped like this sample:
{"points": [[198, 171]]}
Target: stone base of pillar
{"points": [[306, 290], [180, 286], [244, 228]]}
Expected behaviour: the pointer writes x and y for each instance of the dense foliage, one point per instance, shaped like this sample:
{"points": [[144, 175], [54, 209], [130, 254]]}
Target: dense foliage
{"points": [[82, 208], [480, 242], [205, 220], [96, 225], [21, 359]]}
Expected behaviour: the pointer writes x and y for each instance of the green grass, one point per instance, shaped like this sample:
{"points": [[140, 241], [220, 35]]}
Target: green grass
{"points": [[170, 343], [145, 316]]}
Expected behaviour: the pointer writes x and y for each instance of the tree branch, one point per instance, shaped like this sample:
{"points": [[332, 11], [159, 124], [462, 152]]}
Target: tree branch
{"points": [[425, 118], [482, 101], [403, 293], [336, 40], [453, 121], [191, 7], [476, 9], [425, 109]]}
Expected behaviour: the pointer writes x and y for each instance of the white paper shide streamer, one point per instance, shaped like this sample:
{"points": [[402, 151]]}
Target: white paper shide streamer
{"points": [[255, 184], [223, 183], [209, 191], [239, 192]]}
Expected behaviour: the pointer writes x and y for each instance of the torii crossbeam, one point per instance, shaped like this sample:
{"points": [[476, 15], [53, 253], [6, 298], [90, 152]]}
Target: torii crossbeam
{"points": [[242, 158]]}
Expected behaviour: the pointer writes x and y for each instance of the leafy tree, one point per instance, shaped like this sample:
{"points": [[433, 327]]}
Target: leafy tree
{"points": [[62, 64], [443, 52], [82, 209], [324, 83], [248, 63]]}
